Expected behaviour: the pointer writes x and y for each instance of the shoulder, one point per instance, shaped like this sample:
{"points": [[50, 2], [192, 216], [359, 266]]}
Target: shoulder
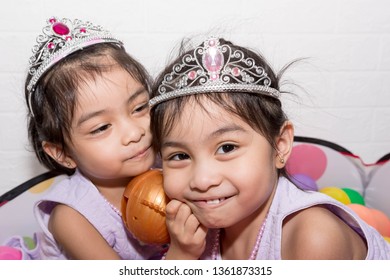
{"points": [[77, 236], [75, 191], [317, 233], [64, 217]]}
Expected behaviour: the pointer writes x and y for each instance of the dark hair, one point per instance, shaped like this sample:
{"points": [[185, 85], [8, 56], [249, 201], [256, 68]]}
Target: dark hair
{"points": [[262, 112], [54, 99]]}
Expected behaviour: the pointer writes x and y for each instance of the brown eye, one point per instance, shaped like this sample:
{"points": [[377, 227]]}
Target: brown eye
{"points": [[227, 148], [142, 108], [179, 157], [100, 129]]}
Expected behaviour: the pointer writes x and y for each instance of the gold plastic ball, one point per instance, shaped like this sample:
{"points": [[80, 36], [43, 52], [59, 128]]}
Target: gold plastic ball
{"points": [[143, 208]]}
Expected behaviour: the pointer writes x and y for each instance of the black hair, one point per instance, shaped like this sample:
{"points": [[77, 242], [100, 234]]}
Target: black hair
{"points": [[263, 113], [54, 98]]}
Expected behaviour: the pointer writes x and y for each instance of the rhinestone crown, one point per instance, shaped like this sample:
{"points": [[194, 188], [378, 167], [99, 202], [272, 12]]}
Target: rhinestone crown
{"points": [[59, 38], [213, 67]]}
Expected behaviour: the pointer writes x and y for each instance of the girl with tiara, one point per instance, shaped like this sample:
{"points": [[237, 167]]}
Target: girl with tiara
{"points": [[224, 139], [88, 118]]}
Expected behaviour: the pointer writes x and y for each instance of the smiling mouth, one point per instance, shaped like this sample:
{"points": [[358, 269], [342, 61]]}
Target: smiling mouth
{"points": [[141, 153], [211, 202]]}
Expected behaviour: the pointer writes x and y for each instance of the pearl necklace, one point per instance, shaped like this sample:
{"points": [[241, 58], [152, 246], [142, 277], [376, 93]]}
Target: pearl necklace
{"points": [[216, 244], [112, 206]]}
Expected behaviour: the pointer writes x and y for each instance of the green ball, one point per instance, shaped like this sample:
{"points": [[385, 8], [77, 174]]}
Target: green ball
{"points": [[29, 242], [354, 196]]}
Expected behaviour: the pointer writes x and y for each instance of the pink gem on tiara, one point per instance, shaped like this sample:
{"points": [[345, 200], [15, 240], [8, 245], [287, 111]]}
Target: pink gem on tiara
{"points": [[213, 60], [236, 71], [60, 28], [192, 75], [83, 30], [51, 45], [214, 76]]}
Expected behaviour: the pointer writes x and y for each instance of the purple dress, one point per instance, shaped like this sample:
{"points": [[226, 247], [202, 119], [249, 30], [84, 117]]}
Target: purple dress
{"points": [[289, 199], [79, 193]]}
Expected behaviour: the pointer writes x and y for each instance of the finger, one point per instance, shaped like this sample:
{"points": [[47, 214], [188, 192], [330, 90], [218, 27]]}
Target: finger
{"points": [[182, 214], [195, 227], [192, 223], [201, 232], [172, 208]]}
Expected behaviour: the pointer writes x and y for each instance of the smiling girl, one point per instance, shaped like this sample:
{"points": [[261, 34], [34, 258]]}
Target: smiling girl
{"points": [[224, 139]]}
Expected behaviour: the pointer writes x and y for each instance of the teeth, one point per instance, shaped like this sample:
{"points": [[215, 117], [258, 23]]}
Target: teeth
{"points": [[215, 201]]}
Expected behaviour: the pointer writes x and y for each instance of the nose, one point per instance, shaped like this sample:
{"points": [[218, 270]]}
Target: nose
{"points": [[132, 131], [205, 175]]}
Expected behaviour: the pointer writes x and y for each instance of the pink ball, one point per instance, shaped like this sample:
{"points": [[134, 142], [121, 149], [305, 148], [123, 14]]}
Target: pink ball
{"points": [[9, 253]]}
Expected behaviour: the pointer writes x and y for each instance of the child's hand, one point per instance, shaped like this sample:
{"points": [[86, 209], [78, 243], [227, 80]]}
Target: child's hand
{"points": [[188, 236]]}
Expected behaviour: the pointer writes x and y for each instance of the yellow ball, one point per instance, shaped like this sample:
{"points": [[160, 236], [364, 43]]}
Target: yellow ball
{"points": [[337, 194], [387, 238]]}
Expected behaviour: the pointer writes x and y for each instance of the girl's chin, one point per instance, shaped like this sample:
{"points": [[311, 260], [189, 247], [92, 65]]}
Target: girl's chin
{"points": [[212, 223]]}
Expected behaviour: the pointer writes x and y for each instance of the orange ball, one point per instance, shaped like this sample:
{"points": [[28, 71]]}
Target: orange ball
{"points": [[382, 221], [364, 213], [143, 208]]}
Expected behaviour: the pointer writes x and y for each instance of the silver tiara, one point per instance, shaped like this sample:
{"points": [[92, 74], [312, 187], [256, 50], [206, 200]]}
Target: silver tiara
{"points": [[59, 38], [213, 67]]}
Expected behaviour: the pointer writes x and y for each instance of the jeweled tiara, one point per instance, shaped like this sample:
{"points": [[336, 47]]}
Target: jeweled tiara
{"points": [[213, 67], [59, 38]]}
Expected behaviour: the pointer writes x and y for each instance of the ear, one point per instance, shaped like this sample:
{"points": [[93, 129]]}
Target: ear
{"points": [[57, 153], [284, 143]]}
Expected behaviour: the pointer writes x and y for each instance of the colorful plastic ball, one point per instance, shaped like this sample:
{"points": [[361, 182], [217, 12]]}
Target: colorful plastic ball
{"points": [[387, 238], [382, 221], [302, 158], [29, 242], [365, 214], [10, 253], [354, 196], [337, 194], [143, 208], [304, 182]]}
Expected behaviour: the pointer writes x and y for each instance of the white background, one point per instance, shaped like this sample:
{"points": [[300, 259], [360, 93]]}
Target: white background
{"points": [[346, 80]]}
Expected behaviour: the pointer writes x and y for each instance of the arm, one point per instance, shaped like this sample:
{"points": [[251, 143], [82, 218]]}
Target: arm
{"points": [[316, 233], [78, 236], [188, 236]]}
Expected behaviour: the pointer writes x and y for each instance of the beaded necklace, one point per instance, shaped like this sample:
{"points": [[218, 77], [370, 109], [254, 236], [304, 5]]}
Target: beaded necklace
{"points": [[112, 206], [216, 244]]}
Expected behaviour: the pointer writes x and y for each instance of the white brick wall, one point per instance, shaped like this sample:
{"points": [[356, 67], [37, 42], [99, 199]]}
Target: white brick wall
{"points": [[346, 78]]}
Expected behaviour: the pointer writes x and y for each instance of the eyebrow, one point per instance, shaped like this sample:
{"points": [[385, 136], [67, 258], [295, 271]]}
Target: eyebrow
{"points": [[214, 134], [90, 115], [227, 129]]}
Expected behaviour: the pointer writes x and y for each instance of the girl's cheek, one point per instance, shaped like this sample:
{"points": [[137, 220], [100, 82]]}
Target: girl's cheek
{"points": [[171, 188], [170, 192]]}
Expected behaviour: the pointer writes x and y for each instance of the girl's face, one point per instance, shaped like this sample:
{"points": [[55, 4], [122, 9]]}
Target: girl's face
{"points": [[218, 165], [110, 135]]}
